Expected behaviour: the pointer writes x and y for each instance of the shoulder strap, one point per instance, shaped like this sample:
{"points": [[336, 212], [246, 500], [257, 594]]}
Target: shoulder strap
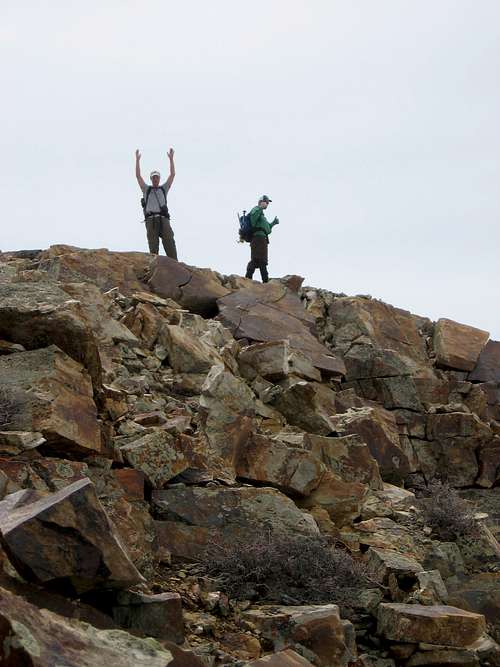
{"points": [[148, 192]]}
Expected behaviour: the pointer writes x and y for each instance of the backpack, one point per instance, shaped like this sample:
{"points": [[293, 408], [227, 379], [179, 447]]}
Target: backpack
{"points": [[144, 202], [246, 231]]}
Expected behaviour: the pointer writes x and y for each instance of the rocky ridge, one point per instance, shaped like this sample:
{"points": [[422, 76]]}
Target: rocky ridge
{"points": [[149, 410]]}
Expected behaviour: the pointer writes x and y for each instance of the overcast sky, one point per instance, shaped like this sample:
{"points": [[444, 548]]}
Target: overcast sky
{"points": [[372, 124]]}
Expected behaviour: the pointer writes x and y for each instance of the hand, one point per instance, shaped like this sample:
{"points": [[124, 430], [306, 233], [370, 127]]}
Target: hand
{"points": [[137, 155], [171, 154], [276, 221]]}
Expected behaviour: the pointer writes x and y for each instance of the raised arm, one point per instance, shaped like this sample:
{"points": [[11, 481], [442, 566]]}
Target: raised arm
{"points": [[140, 179], [170, 179]]}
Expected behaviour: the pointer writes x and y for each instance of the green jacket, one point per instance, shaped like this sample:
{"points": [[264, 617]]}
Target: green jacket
{"points": [[259, 222]]}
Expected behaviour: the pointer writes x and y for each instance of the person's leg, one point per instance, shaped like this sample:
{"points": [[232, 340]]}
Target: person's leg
{"points": [[153, 234], [264, 273], [167, 239], [250, 269]]}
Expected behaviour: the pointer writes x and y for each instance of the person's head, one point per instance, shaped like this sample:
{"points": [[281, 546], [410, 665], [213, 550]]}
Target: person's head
{"points": [[155, 178], [264, 201]]}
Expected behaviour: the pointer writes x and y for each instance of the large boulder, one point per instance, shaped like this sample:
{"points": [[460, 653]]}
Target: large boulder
{"points": [[35, 637], [264, 312], [378, 428], [458, 346], [195, 289], [434, 624], [186, 352], [46, 391], [106, 269], [66, 539], [197, 515], [271, 462], [342, 500], [308, 405], [479, 593], [487, 368]]}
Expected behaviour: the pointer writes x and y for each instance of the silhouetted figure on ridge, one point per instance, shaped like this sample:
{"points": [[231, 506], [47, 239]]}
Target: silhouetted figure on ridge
{"points": [[260, 230], [154, 201]]}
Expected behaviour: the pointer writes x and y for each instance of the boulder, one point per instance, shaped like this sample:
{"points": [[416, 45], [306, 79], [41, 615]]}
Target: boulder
{"points": [[381, 563], [317, 627], [48, 392], [487, 368], [161, 456], [13, 443], [479, 593], [378, 428], [187, 353], [348, 456], [158, 616], [435, 624], [38, 638], [229, 513], [342, 500], [458, 346], [271, 462], [286, 658], [66, 539], [384, 533], [308, 405], [269, 360], [195, 289], [262, 312], [101, 267]]}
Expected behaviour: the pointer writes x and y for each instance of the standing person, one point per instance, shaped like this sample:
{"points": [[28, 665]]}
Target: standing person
{"points": [[261, 229], [156, 213]]}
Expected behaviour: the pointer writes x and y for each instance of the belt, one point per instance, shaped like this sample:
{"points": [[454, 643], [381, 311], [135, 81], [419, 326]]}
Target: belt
{"points": [[154, 215]]}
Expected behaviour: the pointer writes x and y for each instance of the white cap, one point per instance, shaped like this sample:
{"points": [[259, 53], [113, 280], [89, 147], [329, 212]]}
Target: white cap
{"points": [[154, 173]]}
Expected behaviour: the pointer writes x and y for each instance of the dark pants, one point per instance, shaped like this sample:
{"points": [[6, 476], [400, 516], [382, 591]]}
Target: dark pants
{"points": [[158, 227], [258, 258]]}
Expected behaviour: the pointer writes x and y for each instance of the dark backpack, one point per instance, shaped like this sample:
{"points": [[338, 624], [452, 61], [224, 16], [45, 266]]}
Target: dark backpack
{"points": [[246, 231], [144, 201]]}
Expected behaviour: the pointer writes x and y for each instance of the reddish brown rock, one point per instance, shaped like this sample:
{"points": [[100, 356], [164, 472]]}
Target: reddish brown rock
{"points": [[348, 456], [66, 538], [262, 312], [308, 405], [433, 624], [186, 352], [34, 637], [458, 346], [46, 391], [286, 658], [193, 288], [269, 360], [489, 463], [378, 428], [290, 469], [131, 481], [342, 500]]}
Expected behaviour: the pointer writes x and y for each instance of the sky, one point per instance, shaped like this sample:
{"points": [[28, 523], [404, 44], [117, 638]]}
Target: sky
{"points": [[372, 124]]}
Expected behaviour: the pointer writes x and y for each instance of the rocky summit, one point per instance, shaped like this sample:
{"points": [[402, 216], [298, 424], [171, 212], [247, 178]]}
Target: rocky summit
{"points": [[199, 469]]}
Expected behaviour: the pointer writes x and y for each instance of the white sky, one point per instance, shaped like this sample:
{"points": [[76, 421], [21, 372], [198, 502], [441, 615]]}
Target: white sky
{"points": [[373, 125]]}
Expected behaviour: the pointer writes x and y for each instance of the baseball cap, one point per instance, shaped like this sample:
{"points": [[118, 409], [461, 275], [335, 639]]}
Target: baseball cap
{"points": [[265, 198], [154, 173]]}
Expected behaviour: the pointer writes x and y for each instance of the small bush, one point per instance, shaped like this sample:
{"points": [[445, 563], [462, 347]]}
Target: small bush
{"points": [[289, 570], [449, 515]]}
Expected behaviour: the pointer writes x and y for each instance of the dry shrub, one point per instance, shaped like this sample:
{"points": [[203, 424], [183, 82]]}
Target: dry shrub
{"points": [[291, 570], [449, 515]]}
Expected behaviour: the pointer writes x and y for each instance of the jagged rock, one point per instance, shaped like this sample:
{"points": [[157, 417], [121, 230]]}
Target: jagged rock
{"points": [[192, 288], [431, 589], [458, 346], [384, 326], [489, 463], [48, 392], [158, 616], [386, 502], [66, 538], [461, 657], [435, 624], [131, 481], [368, 362], [317, 627], [382, 563], [342, 500], [383, 533], [290, 469], [286, 658], [39, 638], [161, 456], [262, 313], [393, 392], [487, 368], [228, 406], [105, 269], [348, 456], [269, 360], [224, 513], [186, 353], [377, 427], [479, 593], [13, 443], [308, 405]]}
